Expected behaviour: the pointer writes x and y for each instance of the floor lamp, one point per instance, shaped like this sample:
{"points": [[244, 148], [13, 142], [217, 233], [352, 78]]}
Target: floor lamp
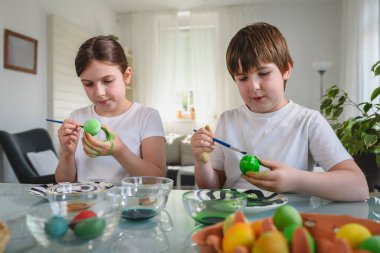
{"points": [[322, 67]]}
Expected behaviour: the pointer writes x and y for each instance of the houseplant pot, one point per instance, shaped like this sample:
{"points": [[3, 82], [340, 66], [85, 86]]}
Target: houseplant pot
{"points": [[360, 135]]}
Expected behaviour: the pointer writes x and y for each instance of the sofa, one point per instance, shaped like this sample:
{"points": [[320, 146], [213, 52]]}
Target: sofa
{"points": [[179, 160]]}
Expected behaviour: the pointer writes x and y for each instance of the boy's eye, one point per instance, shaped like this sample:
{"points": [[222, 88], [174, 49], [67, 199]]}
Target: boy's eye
{"points": [[264, 73], [243, 78]]}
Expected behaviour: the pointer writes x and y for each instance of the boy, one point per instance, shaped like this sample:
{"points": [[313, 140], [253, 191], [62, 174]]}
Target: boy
{"points": [[289, 139]]}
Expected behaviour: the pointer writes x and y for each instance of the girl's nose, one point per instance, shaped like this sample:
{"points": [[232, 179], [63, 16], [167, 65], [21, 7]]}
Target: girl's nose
{"points": [[99, 90]]}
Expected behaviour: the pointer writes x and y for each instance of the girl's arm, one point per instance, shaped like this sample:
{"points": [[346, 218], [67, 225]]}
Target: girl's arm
{"points": [[152, 161], [68, 135]]}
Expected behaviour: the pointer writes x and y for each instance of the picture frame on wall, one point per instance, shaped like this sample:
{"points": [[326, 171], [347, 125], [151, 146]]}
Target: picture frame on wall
{"points": [[20, 52]]}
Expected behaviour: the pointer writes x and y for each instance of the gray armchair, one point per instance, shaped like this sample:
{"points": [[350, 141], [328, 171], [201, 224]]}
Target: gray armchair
{"points": [[16, 146]]}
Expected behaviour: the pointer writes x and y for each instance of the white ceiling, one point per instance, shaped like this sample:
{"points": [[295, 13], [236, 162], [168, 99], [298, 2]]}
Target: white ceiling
{"points": [[124, 6]]}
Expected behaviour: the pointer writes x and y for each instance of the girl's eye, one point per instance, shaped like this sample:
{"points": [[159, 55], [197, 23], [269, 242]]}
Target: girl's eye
{"points": [[108, 81], [87, 84]]}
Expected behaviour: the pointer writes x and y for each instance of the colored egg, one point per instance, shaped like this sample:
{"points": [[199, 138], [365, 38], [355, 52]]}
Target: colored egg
{"points": [[81, 216], [286, 215], [354, 233], [56, 226], [269, 242], [92, 126], [249, 163], [371, 244], [90, 228], [239, 234]]}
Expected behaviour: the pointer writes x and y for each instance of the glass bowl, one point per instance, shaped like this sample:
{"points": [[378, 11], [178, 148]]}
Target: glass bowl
{"points": [[142, 197], [212, 206], [60, 228]]}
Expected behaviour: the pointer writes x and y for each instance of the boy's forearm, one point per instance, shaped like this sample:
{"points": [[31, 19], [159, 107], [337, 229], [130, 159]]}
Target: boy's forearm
{"points": [[205, 176], [340, 185]]}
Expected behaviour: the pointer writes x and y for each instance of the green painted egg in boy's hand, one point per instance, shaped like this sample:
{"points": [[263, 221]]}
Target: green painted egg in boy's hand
{"points": [[92, 126], [249, 163]]}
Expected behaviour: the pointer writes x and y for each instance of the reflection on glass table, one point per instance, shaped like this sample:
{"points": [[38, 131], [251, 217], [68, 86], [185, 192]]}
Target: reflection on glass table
{"points": [[144, 236]]}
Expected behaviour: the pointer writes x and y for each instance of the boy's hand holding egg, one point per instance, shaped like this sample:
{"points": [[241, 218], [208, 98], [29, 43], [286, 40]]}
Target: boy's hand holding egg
{"points": [[94, 147]]}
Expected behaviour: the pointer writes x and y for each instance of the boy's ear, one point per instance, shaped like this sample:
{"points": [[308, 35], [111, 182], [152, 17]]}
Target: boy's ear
{"points": [[128, 75], [287, 72]]}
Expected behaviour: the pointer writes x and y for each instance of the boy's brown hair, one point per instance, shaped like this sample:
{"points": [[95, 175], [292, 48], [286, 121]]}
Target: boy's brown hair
{"points": [[255, 45]]}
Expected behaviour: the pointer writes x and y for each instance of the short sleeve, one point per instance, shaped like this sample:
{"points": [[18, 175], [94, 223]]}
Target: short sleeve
{"points": [[152, 124]]}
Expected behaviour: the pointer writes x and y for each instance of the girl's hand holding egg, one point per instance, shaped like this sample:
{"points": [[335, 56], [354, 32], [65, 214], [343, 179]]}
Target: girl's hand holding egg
{"points": [[94, 147]]}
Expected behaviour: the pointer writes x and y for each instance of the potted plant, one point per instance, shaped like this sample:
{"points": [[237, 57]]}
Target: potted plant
{"points": [[360, 135]]}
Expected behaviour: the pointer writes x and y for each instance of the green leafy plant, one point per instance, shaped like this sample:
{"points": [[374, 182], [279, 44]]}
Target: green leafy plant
{"points": [[361, 134]]}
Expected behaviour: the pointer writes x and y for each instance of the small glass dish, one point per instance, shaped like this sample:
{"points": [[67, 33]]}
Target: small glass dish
{"points": [[212, 206], [58, 228], [76, 195], [142, 197]]}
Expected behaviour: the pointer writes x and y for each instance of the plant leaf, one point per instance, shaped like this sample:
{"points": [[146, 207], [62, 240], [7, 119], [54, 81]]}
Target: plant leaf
{"points": [[374, 66], [367, 107], [375, 93], [378, 160], [333, 91], [337, 112], [325, 103], [369, 140]]}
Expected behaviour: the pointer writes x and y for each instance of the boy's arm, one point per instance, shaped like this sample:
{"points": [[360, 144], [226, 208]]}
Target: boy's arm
{"points": [[207, 177], [343, 182]]}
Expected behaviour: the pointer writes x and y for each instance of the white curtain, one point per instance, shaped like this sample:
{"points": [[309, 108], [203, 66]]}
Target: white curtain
{"points": [[159, 71], [360, 48]]}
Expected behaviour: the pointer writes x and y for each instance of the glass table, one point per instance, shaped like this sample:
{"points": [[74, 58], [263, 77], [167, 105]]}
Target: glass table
{"points": [[168, 232]]}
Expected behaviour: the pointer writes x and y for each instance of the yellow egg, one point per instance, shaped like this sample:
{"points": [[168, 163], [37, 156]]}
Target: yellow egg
{"points": [[354, 233], [271, 242], [239, 234]]}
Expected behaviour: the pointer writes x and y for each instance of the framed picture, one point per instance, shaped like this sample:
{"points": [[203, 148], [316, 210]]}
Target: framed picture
{"points": [[20, 52]]}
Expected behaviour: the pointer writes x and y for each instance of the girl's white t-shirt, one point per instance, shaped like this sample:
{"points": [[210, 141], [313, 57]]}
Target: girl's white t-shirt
{"points": [[294, 135], [133, 126]]}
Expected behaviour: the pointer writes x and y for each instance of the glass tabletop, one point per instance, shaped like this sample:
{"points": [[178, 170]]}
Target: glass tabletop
{"points": [[170, 231]]}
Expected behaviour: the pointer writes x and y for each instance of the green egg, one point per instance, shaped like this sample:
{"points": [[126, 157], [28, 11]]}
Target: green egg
{"points": [[371, 244], [286, 215], [90, 228], [56, 226], [92, 126], [249, 163]]}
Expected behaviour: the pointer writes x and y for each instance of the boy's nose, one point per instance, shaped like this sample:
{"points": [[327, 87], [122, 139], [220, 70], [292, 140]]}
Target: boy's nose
{"points": [[255, 84]]}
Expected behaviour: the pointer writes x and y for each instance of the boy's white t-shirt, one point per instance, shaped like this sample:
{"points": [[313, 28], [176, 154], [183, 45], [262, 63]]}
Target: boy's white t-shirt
{"points": [[294, 135], [133, 126]]}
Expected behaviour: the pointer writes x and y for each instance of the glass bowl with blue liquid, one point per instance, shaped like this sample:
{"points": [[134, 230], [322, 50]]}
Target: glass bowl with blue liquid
{"points": [[143, 197]]}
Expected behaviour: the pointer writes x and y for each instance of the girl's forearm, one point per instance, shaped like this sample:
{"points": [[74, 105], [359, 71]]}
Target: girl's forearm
{"points": [[205, 176], [66, 170]]}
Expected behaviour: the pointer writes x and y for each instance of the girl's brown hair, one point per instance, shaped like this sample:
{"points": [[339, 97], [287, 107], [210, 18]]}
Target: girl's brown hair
{"points": [[255, 45], [101, 48]]}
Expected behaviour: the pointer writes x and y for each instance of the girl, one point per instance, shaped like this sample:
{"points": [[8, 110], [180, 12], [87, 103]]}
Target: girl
{"points": [[135, 145]]}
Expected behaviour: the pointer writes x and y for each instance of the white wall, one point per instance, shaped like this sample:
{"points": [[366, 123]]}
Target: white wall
{"points": [[23, 97], [312, 30]]}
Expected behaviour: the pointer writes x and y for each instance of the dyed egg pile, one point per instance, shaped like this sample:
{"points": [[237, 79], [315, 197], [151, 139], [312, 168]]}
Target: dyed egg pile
{"points": [[249, 163], [86, 226], [285, 233], [92, 126]]}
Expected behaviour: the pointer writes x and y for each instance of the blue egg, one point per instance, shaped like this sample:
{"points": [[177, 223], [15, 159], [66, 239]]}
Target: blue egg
{"points": [[56, 226]]}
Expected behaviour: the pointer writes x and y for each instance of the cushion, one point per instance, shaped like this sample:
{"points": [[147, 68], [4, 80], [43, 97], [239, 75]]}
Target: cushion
{"points": [[173, 148], [44, 162], [186, 155]]}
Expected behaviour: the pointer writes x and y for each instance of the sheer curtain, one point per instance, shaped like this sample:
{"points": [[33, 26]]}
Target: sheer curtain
{"points": [[360, 48], [174, 53]]}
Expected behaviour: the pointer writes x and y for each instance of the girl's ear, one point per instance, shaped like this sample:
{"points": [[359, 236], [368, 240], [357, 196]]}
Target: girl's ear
{"points": [[286, 74], [128, 75]]}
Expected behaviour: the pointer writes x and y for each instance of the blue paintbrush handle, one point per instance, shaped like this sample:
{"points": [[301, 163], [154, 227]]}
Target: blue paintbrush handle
{"points": [[55, 121], [222, 142]]}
